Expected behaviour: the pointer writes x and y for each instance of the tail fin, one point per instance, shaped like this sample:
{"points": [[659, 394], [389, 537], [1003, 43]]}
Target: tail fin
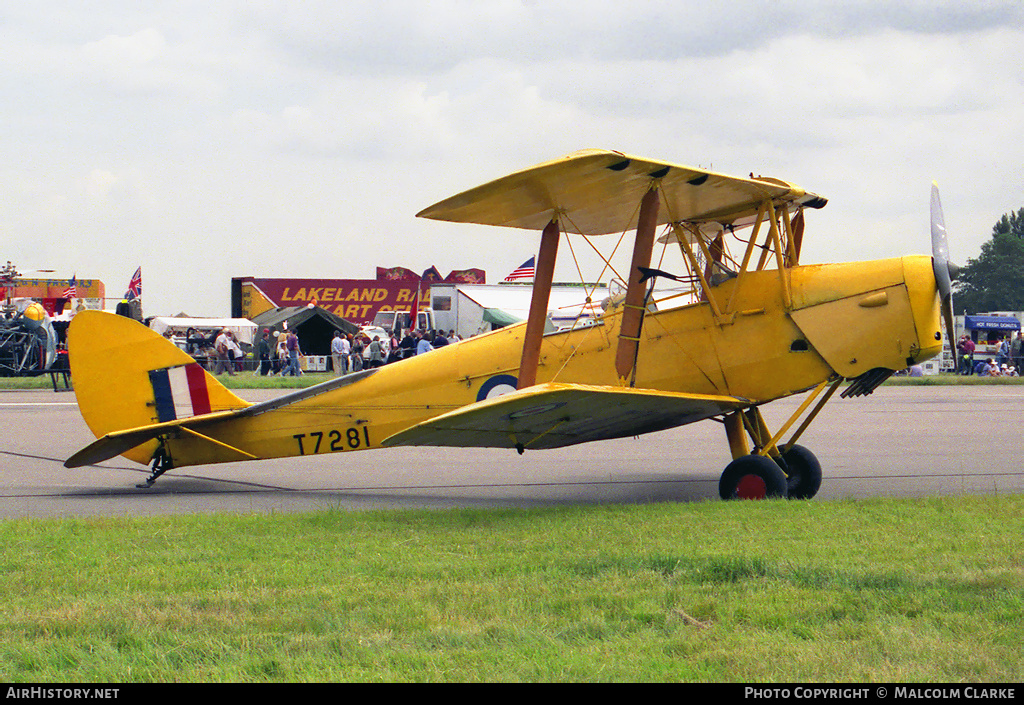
{"points": [[127, 376]]}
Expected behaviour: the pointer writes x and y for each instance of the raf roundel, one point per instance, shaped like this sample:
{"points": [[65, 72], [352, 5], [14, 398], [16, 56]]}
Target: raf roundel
{"points": [[496, 386]]}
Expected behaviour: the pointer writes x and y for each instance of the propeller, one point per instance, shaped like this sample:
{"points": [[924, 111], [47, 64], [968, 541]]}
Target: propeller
{"points": [[945, 271]]}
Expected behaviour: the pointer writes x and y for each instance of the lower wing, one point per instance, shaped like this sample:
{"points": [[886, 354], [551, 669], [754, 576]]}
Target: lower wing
{"points": [[555, 415]]}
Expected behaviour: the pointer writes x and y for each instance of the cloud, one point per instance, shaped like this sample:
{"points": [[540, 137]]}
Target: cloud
{"points": [[431, 37], [115, 52], [263, 124]]}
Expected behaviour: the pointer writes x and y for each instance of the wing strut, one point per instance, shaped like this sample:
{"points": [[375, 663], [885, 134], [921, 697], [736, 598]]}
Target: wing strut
{"points": [[634, 304], [543, 276]]}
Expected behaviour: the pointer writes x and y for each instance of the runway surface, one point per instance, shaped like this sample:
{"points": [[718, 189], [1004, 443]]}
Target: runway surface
{"points": [[900, 441]]}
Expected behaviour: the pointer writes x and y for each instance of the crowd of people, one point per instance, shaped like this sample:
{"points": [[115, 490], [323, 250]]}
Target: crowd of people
{"points": [[1006, 363], [349, 352], [221, 348]]}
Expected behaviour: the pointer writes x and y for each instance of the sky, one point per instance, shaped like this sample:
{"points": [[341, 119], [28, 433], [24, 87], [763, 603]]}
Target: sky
{"points": [[209, 140]]}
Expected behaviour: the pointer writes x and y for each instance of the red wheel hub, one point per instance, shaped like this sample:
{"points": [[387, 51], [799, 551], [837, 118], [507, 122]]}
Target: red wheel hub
{"points": [[751, 487]]}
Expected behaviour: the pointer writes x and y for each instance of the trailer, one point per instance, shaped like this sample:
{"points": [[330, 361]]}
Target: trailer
{"points": [[472, 309]]}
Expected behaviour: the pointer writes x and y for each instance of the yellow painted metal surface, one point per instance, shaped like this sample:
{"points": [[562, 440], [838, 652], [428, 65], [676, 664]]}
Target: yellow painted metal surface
{"points": [[837, 331], [597, 192], [110, 360], [555, 415]]}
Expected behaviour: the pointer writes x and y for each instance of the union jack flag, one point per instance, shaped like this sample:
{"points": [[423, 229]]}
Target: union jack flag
{"points": [[72, 291], [135, 286], [524, 271]]}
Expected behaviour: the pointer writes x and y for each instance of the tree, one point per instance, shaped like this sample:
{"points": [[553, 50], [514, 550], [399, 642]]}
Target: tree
{"points": [[1010, 224], [995, 280]]}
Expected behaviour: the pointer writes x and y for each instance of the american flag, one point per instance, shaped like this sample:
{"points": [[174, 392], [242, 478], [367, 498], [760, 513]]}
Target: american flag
{"points": [[135, 286], [72, 291], [524, 271]]}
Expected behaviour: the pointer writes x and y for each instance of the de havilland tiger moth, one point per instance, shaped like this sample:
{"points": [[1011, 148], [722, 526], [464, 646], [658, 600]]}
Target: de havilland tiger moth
{"points": [[746, 323]]}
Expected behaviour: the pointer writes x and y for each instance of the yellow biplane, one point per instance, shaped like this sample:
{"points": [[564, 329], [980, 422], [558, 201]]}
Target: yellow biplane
{"points": [[745, 324]]}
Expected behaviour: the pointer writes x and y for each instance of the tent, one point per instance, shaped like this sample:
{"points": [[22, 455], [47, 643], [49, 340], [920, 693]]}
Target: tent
{"points": [[315, 326]]}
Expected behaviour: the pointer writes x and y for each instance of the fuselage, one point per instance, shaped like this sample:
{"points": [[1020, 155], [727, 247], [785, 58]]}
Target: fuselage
{"points": [[774, 337]]}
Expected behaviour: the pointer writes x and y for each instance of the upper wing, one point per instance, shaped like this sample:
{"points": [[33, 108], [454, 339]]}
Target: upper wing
{"points": [[598, 192], [555, 415]]}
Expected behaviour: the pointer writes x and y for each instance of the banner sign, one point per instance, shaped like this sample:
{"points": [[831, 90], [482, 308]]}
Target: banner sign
{"points": [[355, 300], [55, 288], [991, 323]]}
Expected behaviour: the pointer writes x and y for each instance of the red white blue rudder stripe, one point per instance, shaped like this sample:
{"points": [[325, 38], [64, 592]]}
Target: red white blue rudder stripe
{"points": [[180, 392]]}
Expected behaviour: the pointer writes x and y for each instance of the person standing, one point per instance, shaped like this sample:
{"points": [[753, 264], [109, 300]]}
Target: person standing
{"points": [[339, 353], [357, 352], [263, 353], [235, 353], [223, 352], [423, 346], [293, 354], [408, 346], [965, 348], [281, 357], [376, 352]]}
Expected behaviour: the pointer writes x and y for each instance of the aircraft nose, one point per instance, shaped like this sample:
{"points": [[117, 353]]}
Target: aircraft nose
{"points": [[926, 300]]}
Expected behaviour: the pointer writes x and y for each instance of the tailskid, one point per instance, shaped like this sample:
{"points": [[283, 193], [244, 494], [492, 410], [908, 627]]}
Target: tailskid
{"points": [[161, 464]]}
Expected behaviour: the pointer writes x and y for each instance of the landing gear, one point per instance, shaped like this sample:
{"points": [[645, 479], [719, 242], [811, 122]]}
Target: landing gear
{"points": [[803, 472], [752, 477], [772, 469]]}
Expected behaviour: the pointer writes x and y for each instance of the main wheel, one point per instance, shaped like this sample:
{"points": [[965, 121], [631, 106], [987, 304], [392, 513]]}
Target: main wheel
{"points": [[804, 472], [752, 477]]}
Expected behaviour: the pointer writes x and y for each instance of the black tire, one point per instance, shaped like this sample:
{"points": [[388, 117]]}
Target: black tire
{"points": [[804, 472], [752, 477]]}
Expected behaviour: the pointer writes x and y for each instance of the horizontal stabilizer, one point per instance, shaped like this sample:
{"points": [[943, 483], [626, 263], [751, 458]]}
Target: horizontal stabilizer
{"points": [[119, 442], [555, 415]]}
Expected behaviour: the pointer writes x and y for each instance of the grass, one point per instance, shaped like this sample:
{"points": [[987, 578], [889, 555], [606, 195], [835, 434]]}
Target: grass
{"points": [[881, 590]]}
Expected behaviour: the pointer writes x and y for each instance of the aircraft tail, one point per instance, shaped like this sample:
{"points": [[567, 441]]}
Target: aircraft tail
{"points": [[126, 376]]}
